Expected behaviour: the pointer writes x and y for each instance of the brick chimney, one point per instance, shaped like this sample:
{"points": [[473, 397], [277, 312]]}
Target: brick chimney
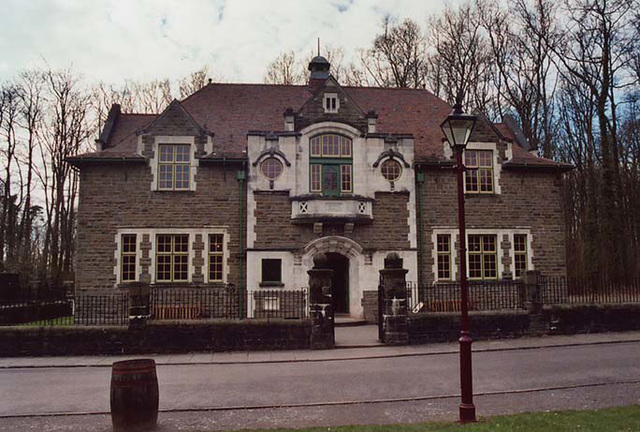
{"points": [[105, 136]]}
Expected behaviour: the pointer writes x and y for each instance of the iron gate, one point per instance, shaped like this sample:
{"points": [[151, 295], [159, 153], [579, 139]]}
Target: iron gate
{"points": [[380, 310]]}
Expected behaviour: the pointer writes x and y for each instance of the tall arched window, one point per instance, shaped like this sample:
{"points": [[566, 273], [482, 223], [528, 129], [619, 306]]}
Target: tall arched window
{"points": [[330, 165]]}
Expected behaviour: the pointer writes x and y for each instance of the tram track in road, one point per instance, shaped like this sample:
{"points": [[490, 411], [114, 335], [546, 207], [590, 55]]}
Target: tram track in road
{"points": [[340, 403], [452, 351]]}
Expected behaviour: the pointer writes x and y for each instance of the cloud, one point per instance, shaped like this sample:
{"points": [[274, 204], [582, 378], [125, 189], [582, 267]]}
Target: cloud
{"points": [[112, 40]]}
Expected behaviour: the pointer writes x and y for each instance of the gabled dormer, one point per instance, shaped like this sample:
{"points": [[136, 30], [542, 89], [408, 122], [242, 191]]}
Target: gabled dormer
{"points": [[329, 101], [172, 143]]}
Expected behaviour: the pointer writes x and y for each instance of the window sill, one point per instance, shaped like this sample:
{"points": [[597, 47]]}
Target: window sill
{"points": [[477, 194], [174, 191], [271, 285], [163, 282]]}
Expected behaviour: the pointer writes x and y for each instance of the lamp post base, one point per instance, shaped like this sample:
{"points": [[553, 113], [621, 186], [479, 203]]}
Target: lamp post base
{"points": [[467, 413], [467, 408]]}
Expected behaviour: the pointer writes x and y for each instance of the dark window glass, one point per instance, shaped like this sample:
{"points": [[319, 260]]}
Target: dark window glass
{"points": [[271, 270]]}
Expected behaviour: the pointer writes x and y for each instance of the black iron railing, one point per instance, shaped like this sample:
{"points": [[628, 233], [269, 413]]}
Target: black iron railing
{"points": [[43, 311], [590, 290], [164, 304], [483, 296], [282, 304], [77, 310], [101, 309], [228, 303]]}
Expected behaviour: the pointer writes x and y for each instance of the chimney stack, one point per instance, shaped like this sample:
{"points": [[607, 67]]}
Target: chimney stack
{"points": [[372, 117], [289, 120]]}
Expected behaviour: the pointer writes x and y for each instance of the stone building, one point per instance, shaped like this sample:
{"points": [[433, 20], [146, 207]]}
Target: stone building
{"points": [[244, 183]]}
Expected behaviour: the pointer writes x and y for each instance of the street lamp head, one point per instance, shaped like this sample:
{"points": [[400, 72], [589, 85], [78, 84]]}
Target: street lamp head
{"points": [[457, 127]]}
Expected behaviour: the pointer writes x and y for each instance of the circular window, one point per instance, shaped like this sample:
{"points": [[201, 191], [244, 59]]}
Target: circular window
{"points": [[391, 170], [271, 168]]}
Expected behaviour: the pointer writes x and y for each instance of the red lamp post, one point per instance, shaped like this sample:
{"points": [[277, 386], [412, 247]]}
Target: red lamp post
{"points": [[457, 127]]}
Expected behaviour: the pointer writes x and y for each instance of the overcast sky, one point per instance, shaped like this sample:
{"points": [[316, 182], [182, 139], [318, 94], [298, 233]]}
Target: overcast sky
{"points": [[111, 40]]}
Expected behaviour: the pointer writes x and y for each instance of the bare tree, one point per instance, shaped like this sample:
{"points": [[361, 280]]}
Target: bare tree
{"points": [[67, 131], [284, 70], [149, 97], [193, 82], [590, 50], [459, 59], [397, 57], [9, 112], [525, 81], [30, 89]]}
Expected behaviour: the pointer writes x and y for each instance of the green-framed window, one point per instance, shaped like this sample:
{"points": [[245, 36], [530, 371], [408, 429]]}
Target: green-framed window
{"points": [[483, 257], [128, 257], [331, 164], [478, 171], [520, 254], [172, 257], [173, 166]]}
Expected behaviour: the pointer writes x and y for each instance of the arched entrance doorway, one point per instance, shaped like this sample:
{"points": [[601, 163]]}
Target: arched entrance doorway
{"points": [[340, 281], [345, 259]]}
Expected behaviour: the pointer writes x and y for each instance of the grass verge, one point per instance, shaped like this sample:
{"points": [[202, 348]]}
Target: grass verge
{"points": [[610, 420], [60, 321]]}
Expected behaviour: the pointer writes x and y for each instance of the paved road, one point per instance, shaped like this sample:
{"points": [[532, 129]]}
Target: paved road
{"points": [[184, 387]]}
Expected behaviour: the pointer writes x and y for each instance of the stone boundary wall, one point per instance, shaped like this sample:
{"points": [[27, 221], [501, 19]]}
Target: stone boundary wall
{"points": [[445, 327], [591, 319], [157, 338]]}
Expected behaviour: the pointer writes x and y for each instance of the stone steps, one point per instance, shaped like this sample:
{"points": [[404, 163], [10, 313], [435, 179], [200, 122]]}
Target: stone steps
{"points": [[347, 321]]}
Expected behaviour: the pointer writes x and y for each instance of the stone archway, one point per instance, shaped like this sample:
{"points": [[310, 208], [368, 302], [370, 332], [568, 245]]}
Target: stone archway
{"points": [[336, 244], [351, 251]]}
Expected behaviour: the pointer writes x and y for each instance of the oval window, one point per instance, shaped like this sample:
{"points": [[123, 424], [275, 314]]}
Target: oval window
{"points": [[391, 170], [271, 168]]}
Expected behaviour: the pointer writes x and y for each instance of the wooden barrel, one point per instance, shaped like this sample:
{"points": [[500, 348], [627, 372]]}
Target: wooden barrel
{"points": [[134, 395]]}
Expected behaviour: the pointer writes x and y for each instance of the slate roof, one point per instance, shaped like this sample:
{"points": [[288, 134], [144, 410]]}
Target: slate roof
{"points": [[230, 111]]}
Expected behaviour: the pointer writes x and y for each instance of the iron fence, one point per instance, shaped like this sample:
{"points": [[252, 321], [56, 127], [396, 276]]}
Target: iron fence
{"points": [[282, 304], [591, 290], [483, 296], [228, 303], [41, 312], [101, 309], [164, 304], [193, 304], [77, 310]]}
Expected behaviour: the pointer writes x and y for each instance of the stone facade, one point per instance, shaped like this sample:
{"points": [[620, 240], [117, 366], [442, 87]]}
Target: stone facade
{"points": [[528, 201], [116, 198], [388, 230], [273, 226]]}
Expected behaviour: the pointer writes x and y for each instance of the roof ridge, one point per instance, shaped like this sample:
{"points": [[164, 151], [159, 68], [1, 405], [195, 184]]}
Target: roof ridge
{"points": [[395, 89], [206, 86]]}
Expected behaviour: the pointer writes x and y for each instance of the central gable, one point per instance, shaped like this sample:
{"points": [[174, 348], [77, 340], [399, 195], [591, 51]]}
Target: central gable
{"points": [[330, 103], [174, 120]]}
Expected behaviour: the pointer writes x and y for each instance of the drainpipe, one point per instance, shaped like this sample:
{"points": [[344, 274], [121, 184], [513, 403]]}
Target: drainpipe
{"points": [[419, 183], [241, 176]]}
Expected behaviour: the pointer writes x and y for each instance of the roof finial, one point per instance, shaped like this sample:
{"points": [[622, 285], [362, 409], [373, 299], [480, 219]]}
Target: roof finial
{"points": [[318, 45]]}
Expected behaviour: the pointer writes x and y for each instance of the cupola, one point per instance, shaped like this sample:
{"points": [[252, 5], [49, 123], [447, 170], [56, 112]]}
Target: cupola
{"points": [[319, 68]]}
